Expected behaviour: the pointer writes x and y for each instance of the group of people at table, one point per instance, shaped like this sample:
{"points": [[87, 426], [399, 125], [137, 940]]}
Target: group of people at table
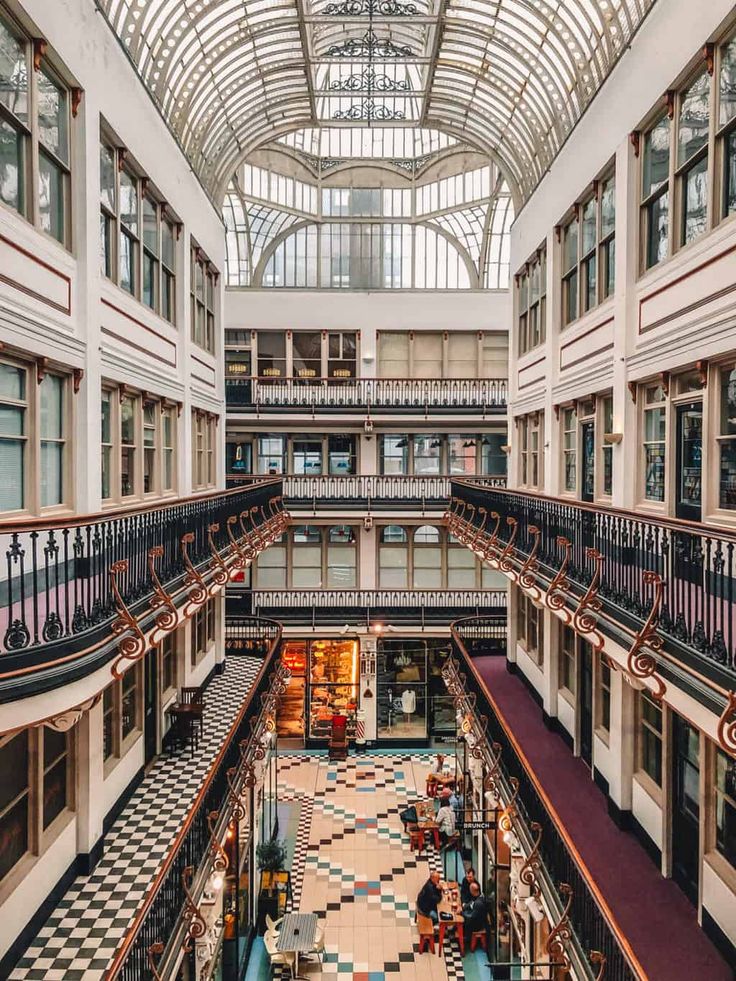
{"points": [[467, 907]]}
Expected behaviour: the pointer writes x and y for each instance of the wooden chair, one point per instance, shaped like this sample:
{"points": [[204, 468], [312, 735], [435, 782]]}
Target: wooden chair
{"points": [[426, 933], [195, 697], [431, 787], [417, 841], [338, 745], [479, 937]]}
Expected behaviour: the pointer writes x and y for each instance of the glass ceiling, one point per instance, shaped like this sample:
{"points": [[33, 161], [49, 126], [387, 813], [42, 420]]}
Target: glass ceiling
{"points": [[509, 77]]}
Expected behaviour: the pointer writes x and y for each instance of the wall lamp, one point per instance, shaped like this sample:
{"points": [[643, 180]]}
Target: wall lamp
{"points": [[612, 439]]}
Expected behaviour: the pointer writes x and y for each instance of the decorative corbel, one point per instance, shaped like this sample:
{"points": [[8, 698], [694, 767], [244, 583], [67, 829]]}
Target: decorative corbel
{"points": [[599, 960], [220, 574], [633, 388], [238, 557], [556, 408], [670, 97], [640, 662], [709, 56], [508, 556], [491, 543], [558, 233], [167, 616], [179, 229], [561, 934], [727, 726], [554, 598], [702, 369], [155, 950], [76, 94], [41, 368], [193, 919], [130, 648], [65, 721], [220, 862], [528, 572], [198, 592], [122, 154], [664, 381], [40, 47], [635, 141], [585, 617], [530, 868], [77, 376], [596, 189]]}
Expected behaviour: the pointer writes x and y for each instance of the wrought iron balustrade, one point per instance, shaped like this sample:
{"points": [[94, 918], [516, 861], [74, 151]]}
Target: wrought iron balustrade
{"points": [[483, 635], [162, 918], [592, 924], [65, 581], [665, 576], [372, 606], [452, 395]]}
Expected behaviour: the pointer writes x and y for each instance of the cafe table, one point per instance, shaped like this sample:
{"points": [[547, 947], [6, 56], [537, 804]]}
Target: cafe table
{"points": [[427, 822], [452, 906], [297, 935]]}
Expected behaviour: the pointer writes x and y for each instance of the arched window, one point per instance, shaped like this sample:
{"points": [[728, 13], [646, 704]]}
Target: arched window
{"points": [[341, 557], [427, 556], [393, 558], [306, 559]]}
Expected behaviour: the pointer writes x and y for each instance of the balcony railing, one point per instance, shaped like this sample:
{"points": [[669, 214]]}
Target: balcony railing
{"points": [[160, 924], [594, 930], [366, 492], [324, 607], [482, 635], [368, 395], [673, 580], [70, 586]]}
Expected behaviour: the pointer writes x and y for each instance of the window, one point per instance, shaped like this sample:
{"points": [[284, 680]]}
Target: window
{"points": [[393, 558], [726, 440], [33, 437], [603, 712], [607, 448], [127, 423], [569, 449], [168, 449], [394, 454], [306, 353], [567, 659], [426, 455], [692, 158], [271, 354], [203, 631], [727, 126], [589, 256], [122, 714], [570, 271], [271, 566], [130, 703], [341, 356], [306, 571], [203, 453], [108, 722], [108, 209], [307, 455], [168, 651], [271, 455], [128, 243], [606, 237], [341, 455], [655, 206], [462, 452], [168, 271], [35, 115], [37, 788], [150, 293], [725, 806], [649, 732], [492, 455], [533, 303], [204, 277], [341, 557], [449, 354], [427, 558], [530, 429], [461, 565], [655, 430], [150, 446], [530, 628], [128, 444]]}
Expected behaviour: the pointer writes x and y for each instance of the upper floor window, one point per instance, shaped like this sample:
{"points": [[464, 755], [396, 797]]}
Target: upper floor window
{"points": [[570, 449], [655, 206], [533, 303], [35, 123], [530, 429], [567, 659], [204, 452], [692, 158], [138, 445], [137, 239], [727, 125], [426, 455], [449, 354], [34, 431], [649, 737], [725, 806], [726, 438], [588, 252], [530, 628], [204, 279], [655, 441]]}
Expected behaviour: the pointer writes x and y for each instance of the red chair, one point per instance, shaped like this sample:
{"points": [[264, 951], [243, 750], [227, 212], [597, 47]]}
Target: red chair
{"points": [[417, 842], [478, 938], [338, 745]]}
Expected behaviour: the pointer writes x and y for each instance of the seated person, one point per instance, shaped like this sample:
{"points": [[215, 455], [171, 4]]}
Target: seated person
{"points": [[466, 884], [430, 896], [475, 912], [446, 821]]}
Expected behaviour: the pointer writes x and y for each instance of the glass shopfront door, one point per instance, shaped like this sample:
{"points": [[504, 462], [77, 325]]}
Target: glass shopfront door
{"points": [[324, 682], [412, 701]]}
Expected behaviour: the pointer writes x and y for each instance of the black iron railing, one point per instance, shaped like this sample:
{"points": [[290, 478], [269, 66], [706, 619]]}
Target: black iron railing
{"points": [[249, 635], [592, 923], [59, 577], [696, 563], [368, 394], [166, 900], [483, 635]]}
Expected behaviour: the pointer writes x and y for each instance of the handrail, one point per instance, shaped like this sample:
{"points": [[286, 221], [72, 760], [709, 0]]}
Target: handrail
{"points": [[337, 598], [565, 865], [216, 771]]}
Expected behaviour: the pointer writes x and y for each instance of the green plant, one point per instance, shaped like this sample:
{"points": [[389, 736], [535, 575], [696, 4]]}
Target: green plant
{"points": [[271, 855]]}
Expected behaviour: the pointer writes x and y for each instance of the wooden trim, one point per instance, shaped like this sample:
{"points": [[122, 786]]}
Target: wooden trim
{"points": [[9, 281]]}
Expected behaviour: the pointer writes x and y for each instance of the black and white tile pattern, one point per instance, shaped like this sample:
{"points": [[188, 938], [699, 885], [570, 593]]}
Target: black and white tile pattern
{"points": [[82, 934]]}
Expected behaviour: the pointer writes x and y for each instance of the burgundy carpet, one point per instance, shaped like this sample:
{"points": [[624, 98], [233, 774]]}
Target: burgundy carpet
{"points": [[652, 912]]}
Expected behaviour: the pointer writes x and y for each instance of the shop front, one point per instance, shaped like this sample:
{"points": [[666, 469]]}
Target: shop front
{"points": [[412, 703]]}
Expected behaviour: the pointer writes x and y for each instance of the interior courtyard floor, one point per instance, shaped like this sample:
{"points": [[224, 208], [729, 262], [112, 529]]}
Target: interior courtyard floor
{"points": [[351, 864]]}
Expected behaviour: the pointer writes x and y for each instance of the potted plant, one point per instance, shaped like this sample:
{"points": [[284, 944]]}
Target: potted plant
{"points": [[271, 857]]}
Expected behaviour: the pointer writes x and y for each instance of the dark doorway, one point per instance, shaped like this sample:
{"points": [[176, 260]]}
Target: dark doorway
{"points": [[689, 461], [585, 701], [685, 807], [150, 701], [587, 438]]}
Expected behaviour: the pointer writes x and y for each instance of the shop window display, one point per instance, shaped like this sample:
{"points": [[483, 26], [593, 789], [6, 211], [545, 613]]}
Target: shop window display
{"points": [[411, 694], [324, 682]]}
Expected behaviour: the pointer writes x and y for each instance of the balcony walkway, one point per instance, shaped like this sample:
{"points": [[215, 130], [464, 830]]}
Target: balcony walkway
{"points": [[653, 913], [83, 933]]}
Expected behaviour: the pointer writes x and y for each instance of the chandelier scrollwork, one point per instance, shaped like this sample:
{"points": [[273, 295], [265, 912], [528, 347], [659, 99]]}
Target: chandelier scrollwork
{"points": [[369, 46], [371, 8], [369, 80], [368, 110]]}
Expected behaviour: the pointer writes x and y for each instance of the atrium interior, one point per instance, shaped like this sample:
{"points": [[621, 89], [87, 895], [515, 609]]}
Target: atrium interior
{"points": [[367, 490]]}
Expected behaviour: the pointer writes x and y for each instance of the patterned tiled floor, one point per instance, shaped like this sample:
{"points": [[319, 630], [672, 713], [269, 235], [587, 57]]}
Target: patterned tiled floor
{"points": [[83, 932], [352, 866]]}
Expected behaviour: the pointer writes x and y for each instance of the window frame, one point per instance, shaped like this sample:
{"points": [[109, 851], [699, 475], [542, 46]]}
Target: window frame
{"points": [[204, 449], [531, 306], [530, 628], [641, 772], [204, 305], [31, 146], [603, 697], [567, 663]]}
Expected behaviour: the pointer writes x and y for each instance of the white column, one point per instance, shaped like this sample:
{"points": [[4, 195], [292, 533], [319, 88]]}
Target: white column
{"points": [[368, 683]]}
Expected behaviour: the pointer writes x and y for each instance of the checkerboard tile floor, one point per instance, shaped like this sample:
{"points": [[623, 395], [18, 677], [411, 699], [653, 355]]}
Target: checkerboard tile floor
{"points": [[355, 870], [82, 934]]}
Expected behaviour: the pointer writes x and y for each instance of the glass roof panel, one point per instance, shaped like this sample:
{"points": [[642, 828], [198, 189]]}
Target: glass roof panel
{"points": [[509, 77]]}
